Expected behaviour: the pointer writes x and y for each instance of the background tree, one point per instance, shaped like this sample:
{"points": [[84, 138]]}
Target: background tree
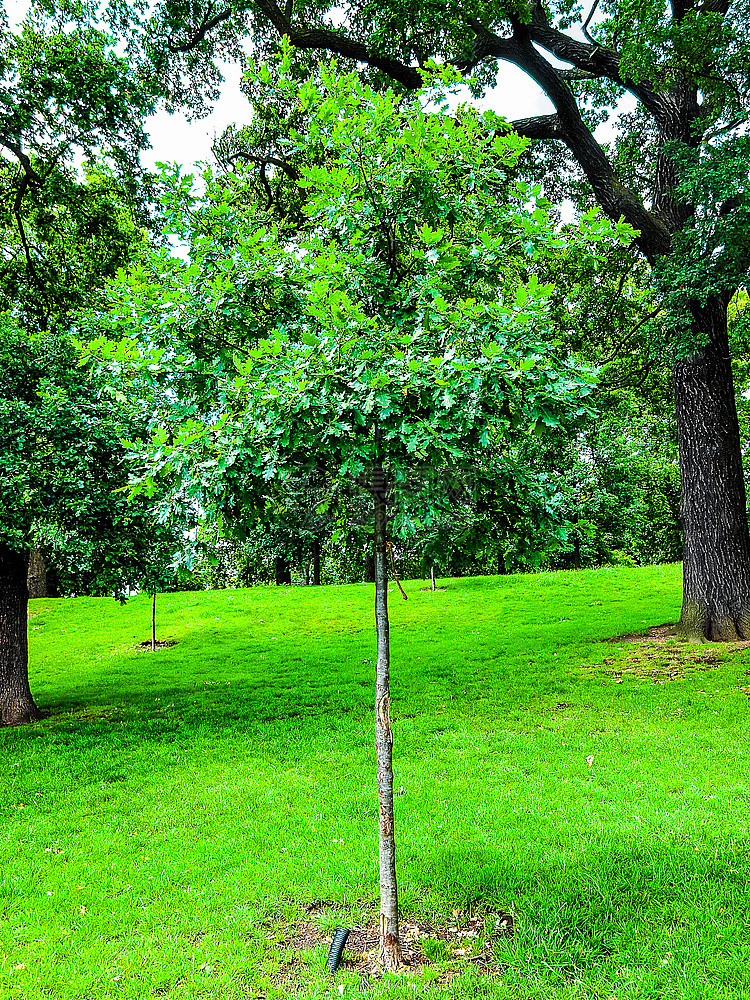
{"points": [[62, 478], [74, 205]]}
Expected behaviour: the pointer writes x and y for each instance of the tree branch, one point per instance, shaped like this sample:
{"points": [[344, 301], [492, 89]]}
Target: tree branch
{"points": [[615, 352], [567, 125], [593, 58], [542, 127], [334, 41], [15, 148], [207, 24], [262, 161], [587, 22], [571, 75]]}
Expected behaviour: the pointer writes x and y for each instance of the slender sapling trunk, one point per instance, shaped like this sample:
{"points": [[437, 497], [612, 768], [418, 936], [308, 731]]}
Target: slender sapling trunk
{"points": [[316, 563], [390, 945], [153, 622]]}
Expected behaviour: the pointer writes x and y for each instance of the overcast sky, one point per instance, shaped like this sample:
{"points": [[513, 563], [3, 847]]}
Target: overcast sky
{"points": [[175, 138]]}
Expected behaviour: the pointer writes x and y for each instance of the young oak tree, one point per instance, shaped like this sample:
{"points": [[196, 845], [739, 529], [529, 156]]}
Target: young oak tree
{"points": [[375, 339]]}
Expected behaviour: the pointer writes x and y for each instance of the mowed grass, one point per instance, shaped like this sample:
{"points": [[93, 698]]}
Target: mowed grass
{"points": [[161, 830]]}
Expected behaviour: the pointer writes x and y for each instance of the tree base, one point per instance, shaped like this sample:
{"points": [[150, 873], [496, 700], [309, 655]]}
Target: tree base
{"points": [[390, 956], [697, 624], [19, 714]]}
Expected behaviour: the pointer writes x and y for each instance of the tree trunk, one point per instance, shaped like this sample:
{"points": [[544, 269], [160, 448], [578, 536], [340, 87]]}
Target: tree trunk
{"points": [[716, 544], [16, 703], [390, 945], [316, 562], [577, 564], [369, 567], [37, 575], [153, 622], [283, 572]]}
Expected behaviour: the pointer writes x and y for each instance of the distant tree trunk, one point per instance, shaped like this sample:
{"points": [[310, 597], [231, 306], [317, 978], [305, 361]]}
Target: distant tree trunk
{"points": [[390, 945], [153, 622], [432, 577], [283, 572], [369, 566], [316, 562], [16, 702], [713, 508], [37, 575], [576, 544]]}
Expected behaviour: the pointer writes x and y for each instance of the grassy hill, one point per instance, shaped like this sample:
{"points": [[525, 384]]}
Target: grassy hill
{"points": [[176, 819]]}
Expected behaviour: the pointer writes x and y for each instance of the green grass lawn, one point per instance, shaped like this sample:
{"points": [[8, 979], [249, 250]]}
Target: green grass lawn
{"points": [[178, 810]]}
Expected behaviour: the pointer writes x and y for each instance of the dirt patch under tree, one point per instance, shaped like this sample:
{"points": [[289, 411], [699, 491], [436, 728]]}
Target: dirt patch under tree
{"points": [[468, 938], [659, 653]]}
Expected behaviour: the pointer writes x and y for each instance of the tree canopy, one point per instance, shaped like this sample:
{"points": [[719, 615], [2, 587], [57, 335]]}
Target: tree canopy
{"points": [[676, 172]]}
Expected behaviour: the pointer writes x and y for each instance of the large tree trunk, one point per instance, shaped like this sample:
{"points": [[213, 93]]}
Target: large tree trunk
{"points": [[716, 544], [37, 575], [390, 946], [16, 703]]}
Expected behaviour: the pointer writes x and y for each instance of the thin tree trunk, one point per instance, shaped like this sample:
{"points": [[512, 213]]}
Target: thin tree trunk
{"points": [[390, 946], [37, 575], [316, 563], [369, 566], [283, 572], [577, 564], [16, 703], [153, 622], [432, 577], [713, 512]]}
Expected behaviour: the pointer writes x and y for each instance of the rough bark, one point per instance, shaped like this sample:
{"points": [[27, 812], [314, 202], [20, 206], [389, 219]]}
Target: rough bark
{"points": [[283, 572], [716, 544], [37, 575], [390, 946], [16, 703]]}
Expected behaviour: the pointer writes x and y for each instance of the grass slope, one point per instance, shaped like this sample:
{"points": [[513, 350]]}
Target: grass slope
{"points": [[178, 809]]}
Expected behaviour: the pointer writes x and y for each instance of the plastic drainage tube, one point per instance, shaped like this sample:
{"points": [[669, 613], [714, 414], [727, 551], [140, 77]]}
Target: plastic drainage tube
{"points": [[337, 948]]}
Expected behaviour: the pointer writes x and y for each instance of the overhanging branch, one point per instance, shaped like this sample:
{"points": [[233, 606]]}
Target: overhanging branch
{"points": [[541, 127], [208, 23]]}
